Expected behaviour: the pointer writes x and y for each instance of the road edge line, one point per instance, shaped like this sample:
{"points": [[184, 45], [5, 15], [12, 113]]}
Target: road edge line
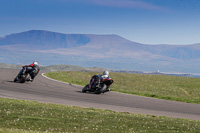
{"points": [[60, 81]]}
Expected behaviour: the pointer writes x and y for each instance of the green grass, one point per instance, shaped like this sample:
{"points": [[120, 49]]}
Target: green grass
{"points": [[184, 89], [18, 116]]}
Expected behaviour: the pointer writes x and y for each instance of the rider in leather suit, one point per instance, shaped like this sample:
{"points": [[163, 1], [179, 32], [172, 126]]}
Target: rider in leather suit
{"points": [[94, 78], [33, 69]]}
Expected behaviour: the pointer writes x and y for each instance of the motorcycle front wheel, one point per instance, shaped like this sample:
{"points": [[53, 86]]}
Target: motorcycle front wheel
{"points": [[85, 88], [15, 80]]}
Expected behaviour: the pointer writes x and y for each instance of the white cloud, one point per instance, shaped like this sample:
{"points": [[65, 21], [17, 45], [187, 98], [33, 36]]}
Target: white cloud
{"points": [[140, 4], [127, 4]]}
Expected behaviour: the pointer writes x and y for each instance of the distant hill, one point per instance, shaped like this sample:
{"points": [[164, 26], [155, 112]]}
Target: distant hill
{"points": [[55, 68], [105, 51], [95, 69], [3, 65], [39, 39]]}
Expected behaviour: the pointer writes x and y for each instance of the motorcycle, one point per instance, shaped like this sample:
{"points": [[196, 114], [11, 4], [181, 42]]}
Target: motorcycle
{"points": [[23, 76], [99, 86]]}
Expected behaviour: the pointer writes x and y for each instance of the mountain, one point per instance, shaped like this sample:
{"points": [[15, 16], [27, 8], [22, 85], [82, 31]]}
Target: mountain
{"points": [[89, 50], [44, 39]]}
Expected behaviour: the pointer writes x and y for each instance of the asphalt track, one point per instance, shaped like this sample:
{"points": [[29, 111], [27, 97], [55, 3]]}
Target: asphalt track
{"points": [[49, 91]]}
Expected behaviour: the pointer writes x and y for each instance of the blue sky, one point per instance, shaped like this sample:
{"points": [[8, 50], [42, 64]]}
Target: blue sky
{"points": [[144, 21]]}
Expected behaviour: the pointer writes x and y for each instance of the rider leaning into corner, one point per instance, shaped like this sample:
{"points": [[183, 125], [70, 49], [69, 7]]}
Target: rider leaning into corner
{"points": [[104, 76], [33, 69]]}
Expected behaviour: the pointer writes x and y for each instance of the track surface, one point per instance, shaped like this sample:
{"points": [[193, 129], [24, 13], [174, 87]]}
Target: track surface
{"points": [[49, 91]]}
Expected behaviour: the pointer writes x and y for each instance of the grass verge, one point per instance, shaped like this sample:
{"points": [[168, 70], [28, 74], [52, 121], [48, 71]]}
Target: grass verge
{"points": [[29, 116], [184, 89]]}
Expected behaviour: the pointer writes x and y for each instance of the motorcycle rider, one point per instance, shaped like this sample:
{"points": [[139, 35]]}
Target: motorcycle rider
{"points": [[101, 77], [33, 69]]}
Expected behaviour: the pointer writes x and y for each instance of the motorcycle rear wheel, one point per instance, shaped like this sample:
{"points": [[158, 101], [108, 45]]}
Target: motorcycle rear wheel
{"points": [[101, 90], [26, 78]]}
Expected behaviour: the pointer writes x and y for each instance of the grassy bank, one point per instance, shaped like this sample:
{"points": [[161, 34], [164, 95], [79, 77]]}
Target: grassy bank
{"points": [[175, 88], [28, 116]]}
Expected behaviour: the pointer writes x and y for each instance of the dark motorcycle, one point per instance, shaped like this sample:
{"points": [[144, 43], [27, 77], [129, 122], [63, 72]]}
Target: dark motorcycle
{"points": [[99, 86], [23, 76]]}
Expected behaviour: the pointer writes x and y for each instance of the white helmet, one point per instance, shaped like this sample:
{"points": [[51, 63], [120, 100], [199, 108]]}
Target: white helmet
{"points": [[35, 63], [105, 73]]}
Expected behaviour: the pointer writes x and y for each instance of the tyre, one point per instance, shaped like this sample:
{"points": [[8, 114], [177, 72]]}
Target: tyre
{"points": [[101, 90], [26, 78], [85, 88], [15, 80], [97, 92]]}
